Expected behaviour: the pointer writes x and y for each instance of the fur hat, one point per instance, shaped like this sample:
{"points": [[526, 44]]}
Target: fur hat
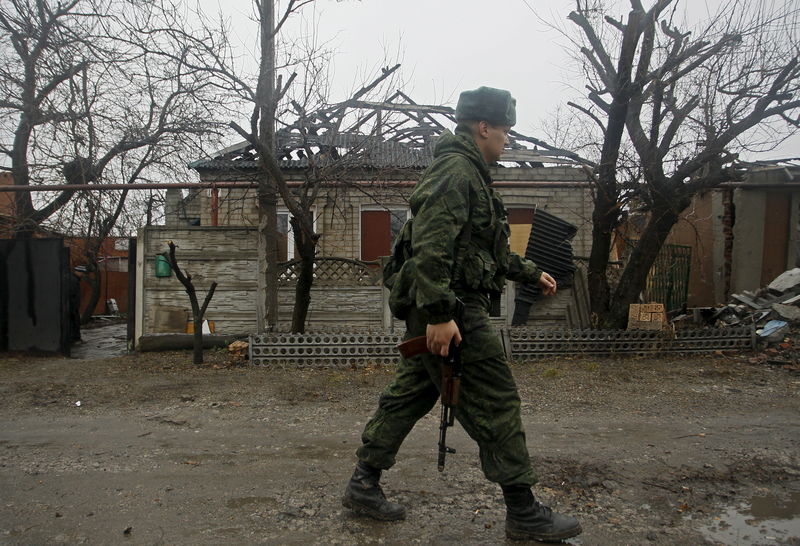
{"points": [[496, 106]]}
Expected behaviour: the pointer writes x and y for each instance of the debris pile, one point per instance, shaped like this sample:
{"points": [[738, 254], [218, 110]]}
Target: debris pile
{"points": [[772, 309], [784, 352]]}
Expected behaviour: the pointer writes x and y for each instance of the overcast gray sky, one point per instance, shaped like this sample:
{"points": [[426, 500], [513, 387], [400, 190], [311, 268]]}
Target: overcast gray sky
{"points": [[446, 46]]}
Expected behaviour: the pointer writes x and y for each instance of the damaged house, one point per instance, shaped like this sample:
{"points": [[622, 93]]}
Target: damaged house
{"points": [[734, 238], [366, 158]]}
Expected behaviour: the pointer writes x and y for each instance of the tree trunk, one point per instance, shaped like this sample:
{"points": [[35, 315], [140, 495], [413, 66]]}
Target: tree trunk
{"points": [[267, 191], [603, 224], [197, 340], [197, 322], [268, 258], [307, 248], [23, 201], [606, 200], [198, 311]]}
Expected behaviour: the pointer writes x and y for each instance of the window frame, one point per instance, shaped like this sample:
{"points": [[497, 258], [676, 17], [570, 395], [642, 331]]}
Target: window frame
{"points": [[378, 208]]}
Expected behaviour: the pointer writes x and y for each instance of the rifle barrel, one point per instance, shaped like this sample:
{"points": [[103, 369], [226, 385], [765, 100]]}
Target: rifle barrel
{"points": [[443, 424]]}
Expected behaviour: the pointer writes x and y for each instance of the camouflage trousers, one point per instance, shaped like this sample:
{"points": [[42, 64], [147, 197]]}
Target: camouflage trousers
{"points": [[488, 406]]}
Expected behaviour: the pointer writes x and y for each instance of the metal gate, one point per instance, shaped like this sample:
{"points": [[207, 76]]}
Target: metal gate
{"points": [[34, 295], [668, 280]]}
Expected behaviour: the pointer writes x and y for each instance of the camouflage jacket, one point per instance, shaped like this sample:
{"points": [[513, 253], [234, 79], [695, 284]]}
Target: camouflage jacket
{"points": [[453, 193]]}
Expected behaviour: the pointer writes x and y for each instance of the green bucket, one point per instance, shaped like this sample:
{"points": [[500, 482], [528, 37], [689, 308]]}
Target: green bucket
{"points": [[162, 266]]}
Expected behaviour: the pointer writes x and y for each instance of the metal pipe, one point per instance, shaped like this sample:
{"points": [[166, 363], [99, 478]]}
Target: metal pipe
{"points": [[215, 206], [140, 186], [757, 186], [254, 185]]}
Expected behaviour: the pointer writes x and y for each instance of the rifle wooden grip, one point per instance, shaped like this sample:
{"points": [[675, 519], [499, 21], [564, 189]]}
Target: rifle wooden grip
{"points": [[455, 388], [413, 347]]}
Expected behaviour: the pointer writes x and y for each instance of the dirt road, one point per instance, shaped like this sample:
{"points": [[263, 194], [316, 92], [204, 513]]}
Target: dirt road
{"points": [[146, 449]]}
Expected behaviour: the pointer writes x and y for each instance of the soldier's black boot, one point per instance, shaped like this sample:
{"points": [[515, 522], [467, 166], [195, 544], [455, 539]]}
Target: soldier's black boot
{"points": [[527, 519], [365, 496]]}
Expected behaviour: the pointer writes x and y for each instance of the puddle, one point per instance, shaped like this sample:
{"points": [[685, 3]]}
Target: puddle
{"points": [[101, 342], [766, 519]]}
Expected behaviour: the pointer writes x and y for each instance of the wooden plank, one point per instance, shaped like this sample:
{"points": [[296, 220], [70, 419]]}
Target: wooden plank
{"points": [[747, 301], [775, 248], [791, 300]]}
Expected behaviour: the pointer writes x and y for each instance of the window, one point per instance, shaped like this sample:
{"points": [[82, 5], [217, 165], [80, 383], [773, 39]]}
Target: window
{"points": [[286, 248], [285, 251], [379, 227]]}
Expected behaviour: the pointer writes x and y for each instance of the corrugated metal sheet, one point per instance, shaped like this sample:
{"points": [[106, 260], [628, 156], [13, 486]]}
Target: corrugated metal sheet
{"points": [[550, 248]]}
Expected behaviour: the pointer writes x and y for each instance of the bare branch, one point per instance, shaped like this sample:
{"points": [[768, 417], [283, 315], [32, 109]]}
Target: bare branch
{"points": [[604, 60], [590, 114]]}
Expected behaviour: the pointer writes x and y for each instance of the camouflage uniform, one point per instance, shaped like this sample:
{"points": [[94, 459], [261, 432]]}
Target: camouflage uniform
{"points": [[454, 193]]}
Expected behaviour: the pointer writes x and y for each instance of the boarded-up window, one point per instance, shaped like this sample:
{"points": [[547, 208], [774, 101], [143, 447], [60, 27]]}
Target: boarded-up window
{"points": [[520, 221], [378, 230]]}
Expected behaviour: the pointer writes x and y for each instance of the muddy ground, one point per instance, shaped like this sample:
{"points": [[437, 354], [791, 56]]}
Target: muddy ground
{"points": [[147, 449]]}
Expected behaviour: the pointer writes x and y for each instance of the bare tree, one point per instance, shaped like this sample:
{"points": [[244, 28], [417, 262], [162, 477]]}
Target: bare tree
{"points": [[98, 91], [94, 90], [687, 103], [272, 182], [262, 96], [271, 99], [198, 310]]}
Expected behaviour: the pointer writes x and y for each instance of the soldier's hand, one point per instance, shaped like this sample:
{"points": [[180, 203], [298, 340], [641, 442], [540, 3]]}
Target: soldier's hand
{"points": [[440, 335], [547, 284]]}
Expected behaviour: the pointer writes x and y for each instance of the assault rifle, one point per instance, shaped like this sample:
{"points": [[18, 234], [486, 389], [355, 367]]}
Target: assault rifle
{"points": [[451, 380]]}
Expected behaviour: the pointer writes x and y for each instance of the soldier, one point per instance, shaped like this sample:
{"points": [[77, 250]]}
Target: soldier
{"points": [[459, 242]]}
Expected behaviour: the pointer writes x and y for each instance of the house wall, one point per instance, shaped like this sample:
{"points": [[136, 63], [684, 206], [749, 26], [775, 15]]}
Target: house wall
{"points": [[338, 209], [113, 269], [113, 285], [545, 187], [748, 236], [340, 216], [696, 229], [223, 255], [721, 256], [765, 228], [7, 206]]}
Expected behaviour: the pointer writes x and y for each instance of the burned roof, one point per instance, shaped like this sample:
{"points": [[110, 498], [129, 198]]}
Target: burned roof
{"points": [[789, 162], [342, 150], [394, 134]]}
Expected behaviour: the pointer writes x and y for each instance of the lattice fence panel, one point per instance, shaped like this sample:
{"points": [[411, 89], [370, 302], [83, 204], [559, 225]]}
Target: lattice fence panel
{"points": [[334, 272]]}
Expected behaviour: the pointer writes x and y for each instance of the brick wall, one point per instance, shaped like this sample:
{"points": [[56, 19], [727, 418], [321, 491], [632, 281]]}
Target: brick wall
{"points": [[338, 209]]}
